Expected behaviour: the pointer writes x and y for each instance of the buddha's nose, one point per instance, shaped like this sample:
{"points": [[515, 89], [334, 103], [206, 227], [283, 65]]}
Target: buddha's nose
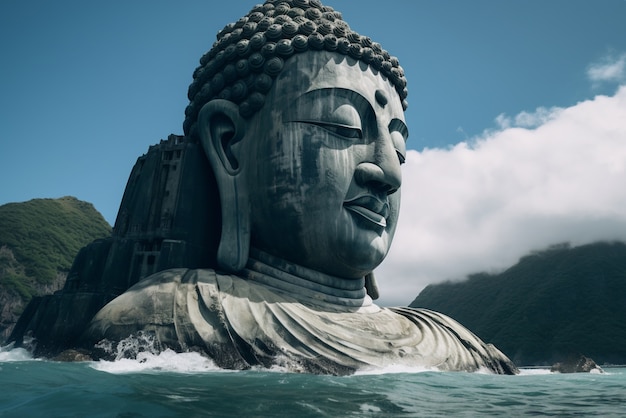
{"points": [[383, 174]]}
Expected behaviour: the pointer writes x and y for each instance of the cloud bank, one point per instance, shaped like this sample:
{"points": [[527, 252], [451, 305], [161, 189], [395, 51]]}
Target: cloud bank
{"points": [[552, 176]]}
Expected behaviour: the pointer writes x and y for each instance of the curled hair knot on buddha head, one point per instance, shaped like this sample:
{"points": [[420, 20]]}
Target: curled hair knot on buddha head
{"points": [[248, 55]]}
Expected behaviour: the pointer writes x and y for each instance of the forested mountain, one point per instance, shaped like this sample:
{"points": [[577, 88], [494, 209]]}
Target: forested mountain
{"points": [[38, 242], [551, 304]]}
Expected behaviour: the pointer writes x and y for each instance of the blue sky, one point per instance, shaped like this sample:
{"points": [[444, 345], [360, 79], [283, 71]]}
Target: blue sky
{"points": [[87, 86]]}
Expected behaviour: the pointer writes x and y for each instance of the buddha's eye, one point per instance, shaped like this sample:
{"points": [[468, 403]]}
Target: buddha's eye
{"points": [[401, 157], [342, 130], [400, 145]]}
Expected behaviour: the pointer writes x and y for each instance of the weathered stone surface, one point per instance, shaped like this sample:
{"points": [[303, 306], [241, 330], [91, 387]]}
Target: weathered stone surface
{"points": [[577, 364], [167, 219], [253, 239], [241, 323]]}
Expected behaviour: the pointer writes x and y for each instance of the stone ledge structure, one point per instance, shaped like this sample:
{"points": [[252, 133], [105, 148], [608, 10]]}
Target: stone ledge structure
{"points": [[166, 219]]}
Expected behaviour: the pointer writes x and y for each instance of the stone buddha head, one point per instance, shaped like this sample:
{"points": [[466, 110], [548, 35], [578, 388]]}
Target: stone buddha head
{"points": [[302, 120]]}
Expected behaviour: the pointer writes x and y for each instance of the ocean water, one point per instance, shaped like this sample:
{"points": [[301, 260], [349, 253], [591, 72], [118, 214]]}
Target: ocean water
{"points": [[188, 385]]}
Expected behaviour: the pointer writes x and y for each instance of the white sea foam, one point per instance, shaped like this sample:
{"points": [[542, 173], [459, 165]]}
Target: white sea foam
{"points": [[8, 353], [166, 361], [397, 369], [393, 369], [533, 372], [140, 353], [369, 409], [283, 364]]}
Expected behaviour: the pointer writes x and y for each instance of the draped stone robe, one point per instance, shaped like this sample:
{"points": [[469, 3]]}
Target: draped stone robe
{"points": [[242, 322]]}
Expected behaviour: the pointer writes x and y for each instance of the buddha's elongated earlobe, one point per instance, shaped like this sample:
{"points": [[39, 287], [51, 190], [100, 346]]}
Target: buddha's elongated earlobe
{"points": [[221, 128], [371, 286]]}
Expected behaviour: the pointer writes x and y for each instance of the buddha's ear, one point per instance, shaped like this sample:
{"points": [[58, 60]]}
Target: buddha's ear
{"points": [[371, 286], [221, 128]]}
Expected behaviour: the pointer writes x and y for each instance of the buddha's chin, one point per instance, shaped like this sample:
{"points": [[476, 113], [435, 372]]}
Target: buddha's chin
{"points": [[355, 261], [360, 250]]}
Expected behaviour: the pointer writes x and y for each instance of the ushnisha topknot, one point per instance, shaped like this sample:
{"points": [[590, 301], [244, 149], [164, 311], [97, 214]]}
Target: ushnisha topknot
{"points": [[248, 55]]}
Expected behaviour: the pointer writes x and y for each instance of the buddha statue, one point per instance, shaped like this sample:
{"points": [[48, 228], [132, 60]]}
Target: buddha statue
{"points": [[302, 122]]}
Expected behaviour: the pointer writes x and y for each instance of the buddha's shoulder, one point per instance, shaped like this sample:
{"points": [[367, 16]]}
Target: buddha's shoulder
{"points": [[177, 277], [438, 324], [161, 289], [423, 315], [156, 301], [167, 285]]}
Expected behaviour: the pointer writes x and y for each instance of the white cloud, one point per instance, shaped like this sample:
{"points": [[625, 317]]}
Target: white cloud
{"points": [[480, 206], [611, 69], [526, 119]]}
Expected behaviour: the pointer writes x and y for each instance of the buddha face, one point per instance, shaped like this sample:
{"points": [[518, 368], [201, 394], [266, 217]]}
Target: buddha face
{"points": [[323, 165]]}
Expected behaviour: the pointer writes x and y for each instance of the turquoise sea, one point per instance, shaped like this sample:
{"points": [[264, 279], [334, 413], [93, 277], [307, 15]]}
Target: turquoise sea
{"points": [[188, 385]]}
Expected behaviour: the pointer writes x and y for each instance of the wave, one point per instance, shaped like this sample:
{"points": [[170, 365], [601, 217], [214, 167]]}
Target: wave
{"points": [[9, 353], [141, 354], [166, 361], [394, 369], [533, 371]]}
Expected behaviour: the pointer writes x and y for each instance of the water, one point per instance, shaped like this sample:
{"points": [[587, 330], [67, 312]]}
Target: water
{"points": [[187, 385]]}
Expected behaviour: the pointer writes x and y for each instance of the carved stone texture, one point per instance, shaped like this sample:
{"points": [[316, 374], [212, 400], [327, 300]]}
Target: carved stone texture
{"points": [[241, 323], [264, 224], [309, 193], [169, 217]]}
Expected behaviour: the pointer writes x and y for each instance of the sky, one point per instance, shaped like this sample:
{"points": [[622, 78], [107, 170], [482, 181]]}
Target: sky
{"points": [[517, 115]]}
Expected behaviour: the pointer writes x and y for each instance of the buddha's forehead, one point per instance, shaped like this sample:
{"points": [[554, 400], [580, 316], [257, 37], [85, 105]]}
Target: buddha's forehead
{"points": [[319, 70]]}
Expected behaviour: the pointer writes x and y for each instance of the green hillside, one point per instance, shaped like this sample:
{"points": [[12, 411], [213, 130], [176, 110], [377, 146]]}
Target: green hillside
{"points": [[550, 304], [38, 242]]}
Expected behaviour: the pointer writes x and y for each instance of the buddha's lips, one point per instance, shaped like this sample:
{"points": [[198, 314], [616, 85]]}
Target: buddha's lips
{"points": [[369, 207]]}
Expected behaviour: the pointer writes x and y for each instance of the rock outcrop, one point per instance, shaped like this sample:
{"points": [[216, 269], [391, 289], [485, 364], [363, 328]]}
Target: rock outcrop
{"points": [[577, 364]]}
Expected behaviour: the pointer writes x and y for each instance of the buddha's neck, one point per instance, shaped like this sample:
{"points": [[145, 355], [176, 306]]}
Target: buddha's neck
{"points": [[303, 284]]}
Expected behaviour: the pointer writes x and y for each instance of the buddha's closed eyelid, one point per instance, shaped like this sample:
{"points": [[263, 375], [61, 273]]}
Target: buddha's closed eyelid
{"points": [[399, 133], [334, 106], [345, 131], [345, 115], [399, 126], [401, 157], [344, 121]]}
